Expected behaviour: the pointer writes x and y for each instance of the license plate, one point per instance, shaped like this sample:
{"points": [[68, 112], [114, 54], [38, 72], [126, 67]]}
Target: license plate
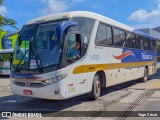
{"points": [[27, 92]]}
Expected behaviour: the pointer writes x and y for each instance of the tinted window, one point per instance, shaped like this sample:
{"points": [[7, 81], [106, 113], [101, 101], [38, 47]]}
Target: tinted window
{"points": [[109, 36], [131, 40], [104, 35], [146, 44], [140, 43], [85, 26], [149, 44], [119, 37], [153, 45], [101, 35], [47, 47]]}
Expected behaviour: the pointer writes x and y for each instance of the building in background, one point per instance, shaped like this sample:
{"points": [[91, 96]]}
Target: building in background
{"points": [[152, 32], [155, 32]]}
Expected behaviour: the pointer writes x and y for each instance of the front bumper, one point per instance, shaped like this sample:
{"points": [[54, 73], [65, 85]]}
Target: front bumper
{"points": [[55, 91]]}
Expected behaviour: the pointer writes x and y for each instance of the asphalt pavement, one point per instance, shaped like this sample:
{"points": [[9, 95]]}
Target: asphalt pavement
{"points": [[126, 97]]}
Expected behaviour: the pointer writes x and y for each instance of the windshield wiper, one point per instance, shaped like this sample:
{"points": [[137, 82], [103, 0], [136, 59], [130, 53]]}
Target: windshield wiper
{"points": [[17, 68], [39, 65]]}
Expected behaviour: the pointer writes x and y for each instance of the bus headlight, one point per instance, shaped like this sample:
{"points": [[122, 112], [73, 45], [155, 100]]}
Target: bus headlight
{"points": [[55, 79]]}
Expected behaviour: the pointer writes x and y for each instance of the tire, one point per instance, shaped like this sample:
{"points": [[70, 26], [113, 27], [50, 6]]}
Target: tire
{"points": [[96, 88], [145, 77]]}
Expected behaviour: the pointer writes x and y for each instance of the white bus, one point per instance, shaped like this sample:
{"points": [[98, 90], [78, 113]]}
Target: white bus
{"points": [[5, 58], [47, 64]]}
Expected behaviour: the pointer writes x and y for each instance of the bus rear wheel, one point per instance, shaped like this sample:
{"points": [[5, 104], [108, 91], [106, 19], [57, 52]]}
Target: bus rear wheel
{"points": [[145, 77], [96, 88]]}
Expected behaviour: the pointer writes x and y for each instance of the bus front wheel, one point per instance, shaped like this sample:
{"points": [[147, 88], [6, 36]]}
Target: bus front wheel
{"points": [[96, 88]]}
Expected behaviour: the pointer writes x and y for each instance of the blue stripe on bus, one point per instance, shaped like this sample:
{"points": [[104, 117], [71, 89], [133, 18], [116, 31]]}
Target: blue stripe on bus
{"points": [[139, 56]]}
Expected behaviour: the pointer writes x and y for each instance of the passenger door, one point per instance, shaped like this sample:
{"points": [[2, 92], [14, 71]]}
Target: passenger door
{"points": [[73, 65]]}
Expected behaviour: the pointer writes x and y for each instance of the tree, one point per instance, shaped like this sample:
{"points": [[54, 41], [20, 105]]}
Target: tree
{"points": [[6, 21]]}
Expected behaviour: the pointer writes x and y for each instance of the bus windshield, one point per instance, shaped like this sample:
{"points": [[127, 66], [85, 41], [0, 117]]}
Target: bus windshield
{"points": [[37, 47]]}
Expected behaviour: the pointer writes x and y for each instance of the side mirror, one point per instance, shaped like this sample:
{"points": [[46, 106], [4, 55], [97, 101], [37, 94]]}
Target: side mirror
{"points": [[60, 30]]}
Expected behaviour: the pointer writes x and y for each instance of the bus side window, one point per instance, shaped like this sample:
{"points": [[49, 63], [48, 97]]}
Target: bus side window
{"points": [[101, 35], [149, 44], [131, 40], [74, 46], [140, 43], [104, 35], [146, 44], [153, 45], [119, 37]]}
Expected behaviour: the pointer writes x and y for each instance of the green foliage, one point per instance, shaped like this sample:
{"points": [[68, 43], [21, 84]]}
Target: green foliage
{"points": [[6, 21], [5, 57], [1, 1]]}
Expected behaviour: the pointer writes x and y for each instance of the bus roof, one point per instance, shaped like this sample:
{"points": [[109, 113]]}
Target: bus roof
{"points": [[65, 15], [7, 51]]}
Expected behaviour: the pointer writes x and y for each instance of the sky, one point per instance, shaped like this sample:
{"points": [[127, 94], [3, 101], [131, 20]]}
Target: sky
{"points": [[134, 13]]}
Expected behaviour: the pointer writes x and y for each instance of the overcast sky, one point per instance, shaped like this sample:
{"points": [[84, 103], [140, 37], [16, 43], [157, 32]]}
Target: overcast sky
{"points": [[135, 13]]}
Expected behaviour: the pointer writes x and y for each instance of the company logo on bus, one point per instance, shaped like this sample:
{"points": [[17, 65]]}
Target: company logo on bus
{"points": [[124, 55], [27, 84], [147, 57]]}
